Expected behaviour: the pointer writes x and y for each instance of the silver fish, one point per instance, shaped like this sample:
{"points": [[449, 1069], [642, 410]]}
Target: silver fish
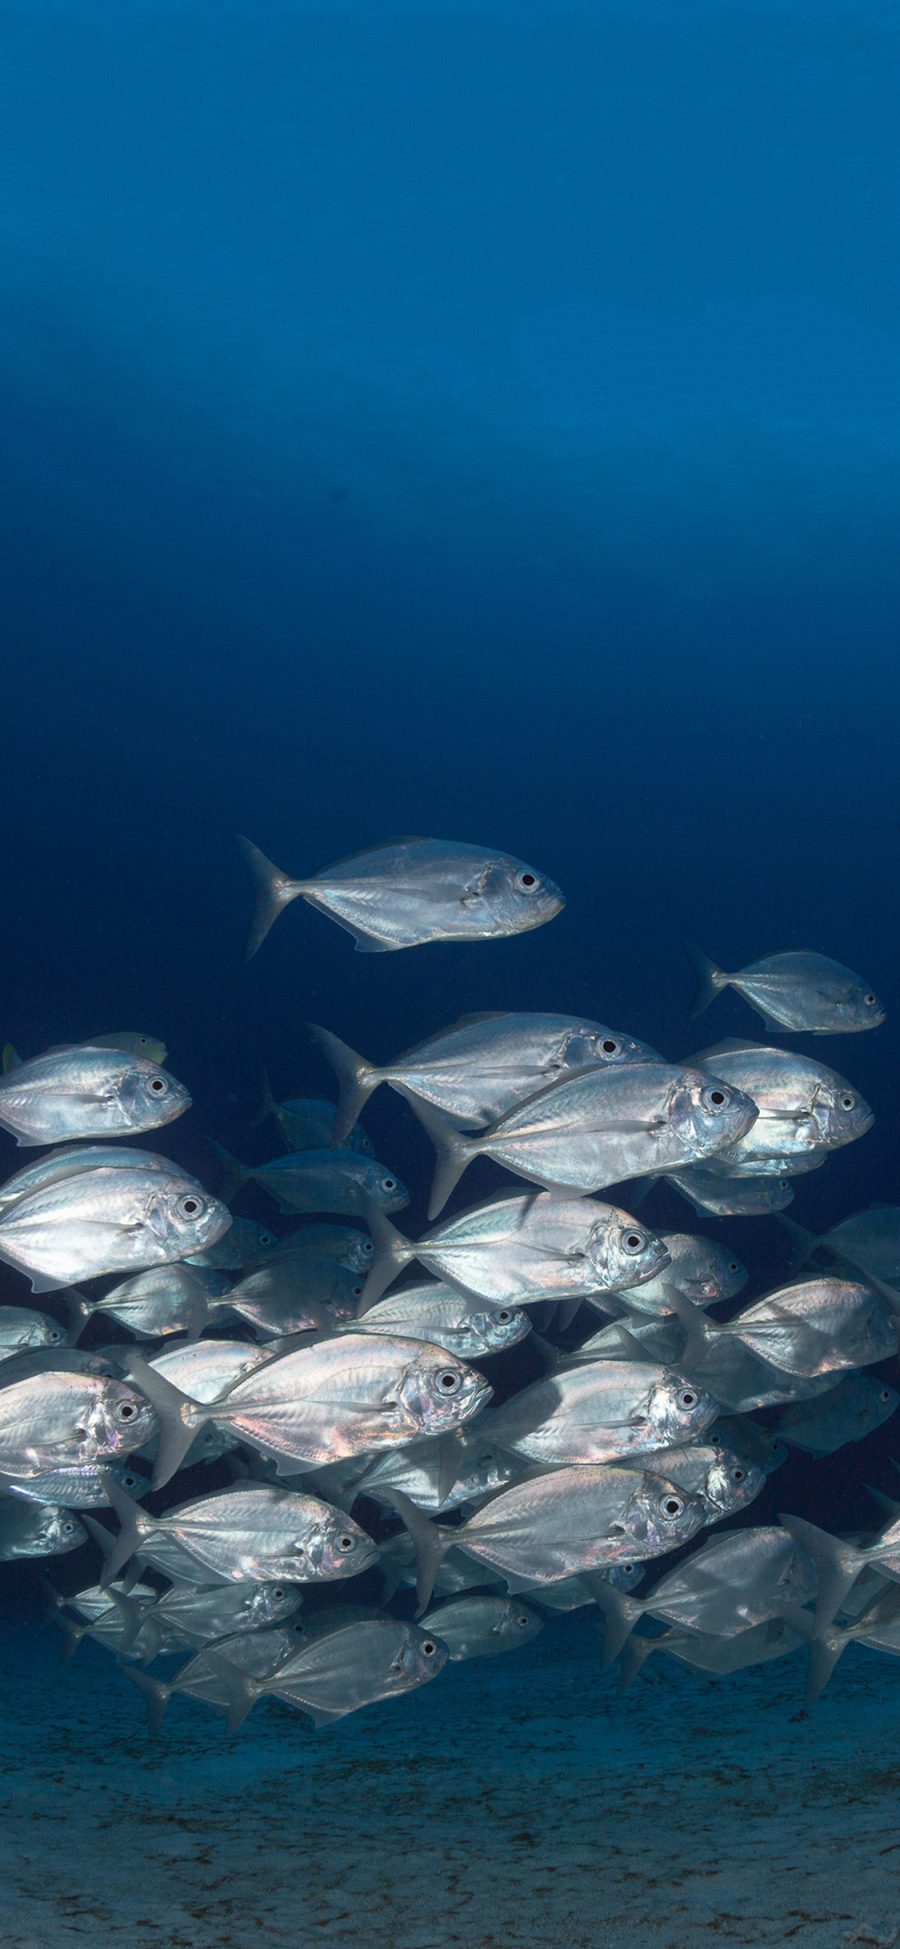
{"points": [[346, 1669], [869, 1240], [481, 1067], [71, 1160], [447, 1318], [730, 1583], [756, 1444], [85, 1092], [258, 1653], [409, 891], [804, 1109], [242, 1248], [562, 1524], [599, 1411], [85, 1487], [345, 1244], [59, 1419], [320, 1404], [104, 1220], [802, 991], [308, 1123], [250, 1532], [519, 1249], [482, 1626], [725, 1197], [35, 1529], [599, 1128], [22, 1327], [815, 1327], [704, 1652], [326, 1181], [722, 1479], [437, 1476], [165, 1299], [848, 1412], [291, 1295]]}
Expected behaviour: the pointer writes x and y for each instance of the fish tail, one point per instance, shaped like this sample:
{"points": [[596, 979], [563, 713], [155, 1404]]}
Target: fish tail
{"points": [[179, 1419], [80, 1310], [156, 1693], [838, 1564], [430, 1544], [620, 1615], [273, 891], [130, 1613], [236, 1173], [710, 979], [825, 1647], [392, 1253], [635, 1654], [453, 1149], [356, 1079], [267, 1105], [804, 1242], [243, 1691]]}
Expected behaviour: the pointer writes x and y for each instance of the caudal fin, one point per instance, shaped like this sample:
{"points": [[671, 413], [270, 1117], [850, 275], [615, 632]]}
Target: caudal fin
{"points": [[179, 1420], [392, 1253], [273, 891], [838, 1565], [709, 979], [156, 1693], [453, 1149], [356, 1079], [236, 1173], [430, 1543]]}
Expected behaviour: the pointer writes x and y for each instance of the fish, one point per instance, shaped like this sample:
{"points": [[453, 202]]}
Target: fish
{"points": [[308, 1122], [197, 1614], [22, 1327], [728, 1197], [439, 1313], [814, 1327], [482, 1625], [730, 1583], [805, 992], [515, 1250], [250, 1532], [244, 1246], [868, 1240], [705, 1652], [482, 1066], [323, 1403], [85, 1092], [345, 1244], [465, 1467], [291, 1294], [410, 891], [848, 1412], [804, 1110], [839, 1561], [71, 1160], [258, 1653], [699, 1268], [37, 1529], [100, 1219], [599, 1412], [60, 1419], [84, 1487], [598, 1128], [343, 1670], [164, 1299], [724, 1480], [323, 1181], [756, 1444], [560, 1525]]}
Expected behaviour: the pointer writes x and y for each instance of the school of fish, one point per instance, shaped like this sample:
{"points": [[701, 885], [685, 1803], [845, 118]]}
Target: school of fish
{"points": [[347, 1388]]}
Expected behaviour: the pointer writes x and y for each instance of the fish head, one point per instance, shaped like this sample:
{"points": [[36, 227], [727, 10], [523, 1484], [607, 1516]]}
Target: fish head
{"points": [[660, 1516], [517, 1622], [732, 1482], [622, 1252], [148, 1096], [183, 1217], [419, 1657], [709, 1114], [624, 1576], [335, 1546], [838, 1113], [858, 1007], [878, 1327], [116, 1421], [679, 1410], [269, 1603], [703, 1270], [499, 1327], [358, 1252], [56, 1532], [439, 1391], [39, 1330], [589, 1048], [383, 1186], [508, 897]]}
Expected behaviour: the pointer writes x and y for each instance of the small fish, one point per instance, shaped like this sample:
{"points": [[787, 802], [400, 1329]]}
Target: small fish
{"points": [[343, 1670], [869, 1240], [805, 992], [705, 1652], [436, 1312], [815, 1327], [247, 1533], [804, 1110], [730, 1583], [481, 1067], [308, 1123], [85, 1092], [72, 1159], [482, 1626], [599, 1412], [60, 1419], [84, 1487], [599, 1128], [35, 1529], [848, 1412], [101, 1220], [699, 1268], [409, 891], [320, 1181], [22, 1327], [294, 1294], [465, 1467], [727, 1197], [243, 1246], [522, 1249], [164, 1299]]}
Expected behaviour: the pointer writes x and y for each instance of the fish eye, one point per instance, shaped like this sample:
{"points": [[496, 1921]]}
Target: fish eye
{"points": [[388, 1184], [527, 881], [737, 1475], [267, 1238], [687, 1398], [671, 1506], [68, 1529], [504, 1315], [358, 1292], [54, 1338], [847, 1101], [191, 1206], [449, 1381], [125, 1410], [633, 1241], [346, 1542], [428, 1647], [715, 1098], [367, 1248], [523, 1621], [159, 1085], [278, 1593], [870, 1000], [609, 1047]]}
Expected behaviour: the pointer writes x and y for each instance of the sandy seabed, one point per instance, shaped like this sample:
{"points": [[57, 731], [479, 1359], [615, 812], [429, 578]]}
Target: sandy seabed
{"points": [[515, 1803]]}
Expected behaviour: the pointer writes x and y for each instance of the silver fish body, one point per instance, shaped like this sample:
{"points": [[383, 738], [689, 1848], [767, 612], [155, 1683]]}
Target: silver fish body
{"points": [[252, 1533], [241, 1248], [85, 1092], [37, 1529], [481, 1626], [410, 891], [815, 1327], [798, 990], [22, 1327], [847, 1413], [578, 1519], [331, 1181], [59, 1419], [733, 1197], [600, 1411], [804, 1109], [447, 1318], [108, 1220]]}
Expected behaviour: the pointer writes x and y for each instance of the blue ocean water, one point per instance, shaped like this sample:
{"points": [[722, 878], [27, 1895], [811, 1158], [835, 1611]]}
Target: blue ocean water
{"points": [[454, 417]]}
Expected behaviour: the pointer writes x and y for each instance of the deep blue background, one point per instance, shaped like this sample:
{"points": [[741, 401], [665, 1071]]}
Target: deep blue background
{"points": [[471, 419]]}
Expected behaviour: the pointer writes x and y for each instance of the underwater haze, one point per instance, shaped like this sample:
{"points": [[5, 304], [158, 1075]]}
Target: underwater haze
{"points": [[478, 419]]}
